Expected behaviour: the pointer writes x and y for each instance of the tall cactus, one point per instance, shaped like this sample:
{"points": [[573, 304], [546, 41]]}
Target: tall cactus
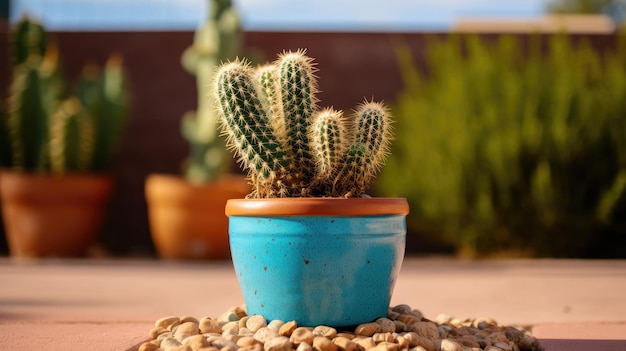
{"points": [[34, 94], [298, 87], [249, 129], [289, 147], [217, 40]]}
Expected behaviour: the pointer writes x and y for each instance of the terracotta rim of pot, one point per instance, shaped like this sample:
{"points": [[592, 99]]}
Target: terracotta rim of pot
{"points": [[312, 206]]}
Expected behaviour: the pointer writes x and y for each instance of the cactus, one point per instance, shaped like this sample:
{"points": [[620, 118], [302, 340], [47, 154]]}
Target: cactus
{"points": [[288, 146], [217, 40], [48, 130], [104, 94], [27, 38], [71, 137], [34, 93]]}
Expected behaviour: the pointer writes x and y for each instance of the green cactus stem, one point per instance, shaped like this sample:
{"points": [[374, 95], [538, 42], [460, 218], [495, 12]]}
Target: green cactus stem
{"points": [[248, 128], [369, 151], [374, 130], [267, 77], [27, 118], [328, 142], [298, 86], [27, 38], [71, 138]]}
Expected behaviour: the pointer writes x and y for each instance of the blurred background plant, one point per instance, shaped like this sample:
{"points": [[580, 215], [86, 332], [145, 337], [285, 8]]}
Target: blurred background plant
{"points": [[217, 40], [513, 148], [615, 9], [48, 129]]}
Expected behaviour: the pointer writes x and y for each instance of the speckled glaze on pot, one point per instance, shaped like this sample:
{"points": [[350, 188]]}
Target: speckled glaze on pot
{"points": [[318, 269]]}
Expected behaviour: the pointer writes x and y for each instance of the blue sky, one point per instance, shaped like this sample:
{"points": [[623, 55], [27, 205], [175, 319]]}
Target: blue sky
{"points": [[349, 15]]}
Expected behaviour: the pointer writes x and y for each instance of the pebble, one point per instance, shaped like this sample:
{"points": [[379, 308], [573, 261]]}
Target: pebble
{"points": [[322, 343], [196, 342], [427, 330], [449, 345], [345, 344], [279, 343], [166, 322], [304, 347], [256, 322], [386, 325], [322, 330], [186, 330], [247, 341], [287, 328], [209, 325], [265, 334], [275, 325], [403, 329], [301, 335], [367, 329]]}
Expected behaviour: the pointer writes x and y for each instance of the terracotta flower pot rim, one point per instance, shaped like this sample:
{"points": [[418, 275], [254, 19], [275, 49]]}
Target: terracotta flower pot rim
{"points": [[318, 206]]}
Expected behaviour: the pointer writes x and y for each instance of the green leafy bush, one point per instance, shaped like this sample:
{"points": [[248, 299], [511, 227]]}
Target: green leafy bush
{"points": [[512, 149]]}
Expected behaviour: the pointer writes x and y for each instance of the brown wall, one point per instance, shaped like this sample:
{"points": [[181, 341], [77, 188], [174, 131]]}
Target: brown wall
{"points": [[352, 66]]}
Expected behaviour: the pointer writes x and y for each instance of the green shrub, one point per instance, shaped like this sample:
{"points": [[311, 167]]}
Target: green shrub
{"points": [[510, 150]]}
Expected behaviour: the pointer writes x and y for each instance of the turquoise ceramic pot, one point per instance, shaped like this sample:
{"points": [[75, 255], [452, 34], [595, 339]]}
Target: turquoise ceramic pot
{"points": [[318, 269]]}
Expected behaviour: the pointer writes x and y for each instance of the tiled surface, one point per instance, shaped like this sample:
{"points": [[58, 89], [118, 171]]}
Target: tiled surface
{"points": [[111, 305]]}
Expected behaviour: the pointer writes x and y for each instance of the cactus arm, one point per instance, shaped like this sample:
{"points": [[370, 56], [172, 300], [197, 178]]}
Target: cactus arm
{"points": [[27, 38], [246, 124], [374, 130], [104, 95], [328, 144], [351, 178], [298, 86], [372, 136], [27, 117], [71, 137], [267, 78]]}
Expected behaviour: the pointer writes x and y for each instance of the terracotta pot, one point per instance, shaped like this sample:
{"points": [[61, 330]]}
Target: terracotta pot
{"points": [[188, 221], [318, 261], [50, 215]]}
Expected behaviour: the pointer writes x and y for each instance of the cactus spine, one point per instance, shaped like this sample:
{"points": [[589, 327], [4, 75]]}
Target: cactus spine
{"points": [[288, 146], [217, 40]]}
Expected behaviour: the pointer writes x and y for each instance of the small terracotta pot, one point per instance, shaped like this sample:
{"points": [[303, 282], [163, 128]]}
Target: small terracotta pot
{"points": [[188, 221], [50, 215]]}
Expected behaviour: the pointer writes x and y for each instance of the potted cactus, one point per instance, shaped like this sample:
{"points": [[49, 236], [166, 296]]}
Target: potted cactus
{"points": [[53, 184], [307, 244], [186, 215]]}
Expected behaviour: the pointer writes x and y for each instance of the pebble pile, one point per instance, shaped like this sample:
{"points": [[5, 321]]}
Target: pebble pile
{"points": [[403, 329]]}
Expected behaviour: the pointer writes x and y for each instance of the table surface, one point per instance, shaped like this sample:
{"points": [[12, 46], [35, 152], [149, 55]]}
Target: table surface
{"points": [[112, 304]]}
